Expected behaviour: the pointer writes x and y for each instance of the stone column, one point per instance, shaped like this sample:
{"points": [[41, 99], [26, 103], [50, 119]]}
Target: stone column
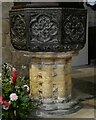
{"points": [[47, 80], [35, 77], [63, 77], [34, 73], [59, 78], [48, 72], [68, 79]]}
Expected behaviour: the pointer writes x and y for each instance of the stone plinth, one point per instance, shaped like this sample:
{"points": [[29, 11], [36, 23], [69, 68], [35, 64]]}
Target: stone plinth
{"points": [[50, 80]]}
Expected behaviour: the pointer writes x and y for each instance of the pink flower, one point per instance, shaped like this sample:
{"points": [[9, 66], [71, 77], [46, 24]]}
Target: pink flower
{"points": [[4, 103], [1, 99], [13, 97]]}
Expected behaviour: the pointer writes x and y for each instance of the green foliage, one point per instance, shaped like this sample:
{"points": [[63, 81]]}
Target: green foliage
{"points": [[23, 105]]}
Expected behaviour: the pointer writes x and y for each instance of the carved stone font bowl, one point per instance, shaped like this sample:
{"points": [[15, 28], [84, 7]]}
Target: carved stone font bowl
{"points": [[48, 29]]}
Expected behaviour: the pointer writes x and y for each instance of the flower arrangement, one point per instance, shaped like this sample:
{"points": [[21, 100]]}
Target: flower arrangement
{"points": [[15, 100]]}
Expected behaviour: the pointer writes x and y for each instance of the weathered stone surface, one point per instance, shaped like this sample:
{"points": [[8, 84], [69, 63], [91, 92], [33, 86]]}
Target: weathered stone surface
{"points": [[0, 26], [6, 55], [3, 40], [5, 26], [8, 40], [6, 6], [0, 55], [60, 80], [0, 52], [34, 83], [0, 64], [68, 86], [21, 62], [0, 10], [47, 81], [0, 40], [54, 77]]}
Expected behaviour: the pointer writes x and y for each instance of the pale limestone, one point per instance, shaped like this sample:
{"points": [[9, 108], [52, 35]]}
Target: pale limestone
{"points": [[0, 10], [34, 72], [0, 26], [8, 40], [0, 40], [3, 40], [21, 62], [0, 52], [50, 79], [0, 64], [6, 55], [6, 7], [47, 81], [5, 26], [60, 80]]}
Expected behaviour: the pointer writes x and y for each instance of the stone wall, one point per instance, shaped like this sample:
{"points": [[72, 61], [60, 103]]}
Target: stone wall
{"points": [[0, 35], [9, 54]]}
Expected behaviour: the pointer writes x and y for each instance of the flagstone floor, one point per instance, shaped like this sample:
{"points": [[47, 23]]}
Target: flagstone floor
{"points": [[84, 84]]}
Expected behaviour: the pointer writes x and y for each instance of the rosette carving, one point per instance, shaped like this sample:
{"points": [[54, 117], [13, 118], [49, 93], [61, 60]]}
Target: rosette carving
{"points": [[43, 29], [73, 29]]}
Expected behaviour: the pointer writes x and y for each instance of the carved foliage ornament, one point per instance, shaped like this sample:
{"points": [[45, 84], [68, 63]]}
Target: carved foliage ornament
{"points": [[43, 29], [74, 29], [18, 30], [53, 30]]}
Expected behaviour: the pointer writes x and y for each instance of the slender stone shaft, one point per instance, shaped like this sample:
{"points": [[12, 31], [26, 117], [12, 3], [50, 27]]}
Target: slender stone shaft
{"points": [[61, 81], [63, 78], [68, 80], [47, 81], [34, 73]]}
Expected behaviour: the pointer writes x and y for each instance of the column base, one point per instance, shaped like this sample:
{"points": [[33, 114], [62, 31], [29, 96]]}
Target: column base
{"points": [[50, 81], [57, 110]]}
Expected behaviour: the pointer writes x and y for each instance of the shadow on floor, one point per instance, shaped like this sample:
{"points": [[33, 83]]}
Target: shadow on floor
{"points": [[86, 85]]}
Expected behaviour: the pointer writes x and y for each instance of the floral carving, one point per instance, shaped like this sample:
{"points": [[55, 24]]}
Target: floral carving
{"points": [[18, 30], [73, 29], [43, 28], [48, 30]]}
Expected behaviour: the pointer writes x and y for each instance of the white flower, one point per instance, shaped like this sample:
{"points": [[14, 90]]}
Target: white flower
{"points": [[0, 74], [9, 102], [23, 67], [27, 87], [13, 97], [5, 107]]}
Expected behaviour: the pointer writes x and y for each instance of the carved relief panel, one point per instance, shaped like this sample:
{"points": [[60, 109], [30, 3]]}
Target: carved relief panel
{"points": [[44, 29], [48, 29], [18, 30], [74, 28]]}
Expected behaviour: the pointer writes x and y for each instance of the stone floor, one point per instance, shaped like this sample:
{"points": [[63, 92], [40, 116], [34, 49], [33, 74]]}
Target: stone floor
{"points": [[84, 82]]}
